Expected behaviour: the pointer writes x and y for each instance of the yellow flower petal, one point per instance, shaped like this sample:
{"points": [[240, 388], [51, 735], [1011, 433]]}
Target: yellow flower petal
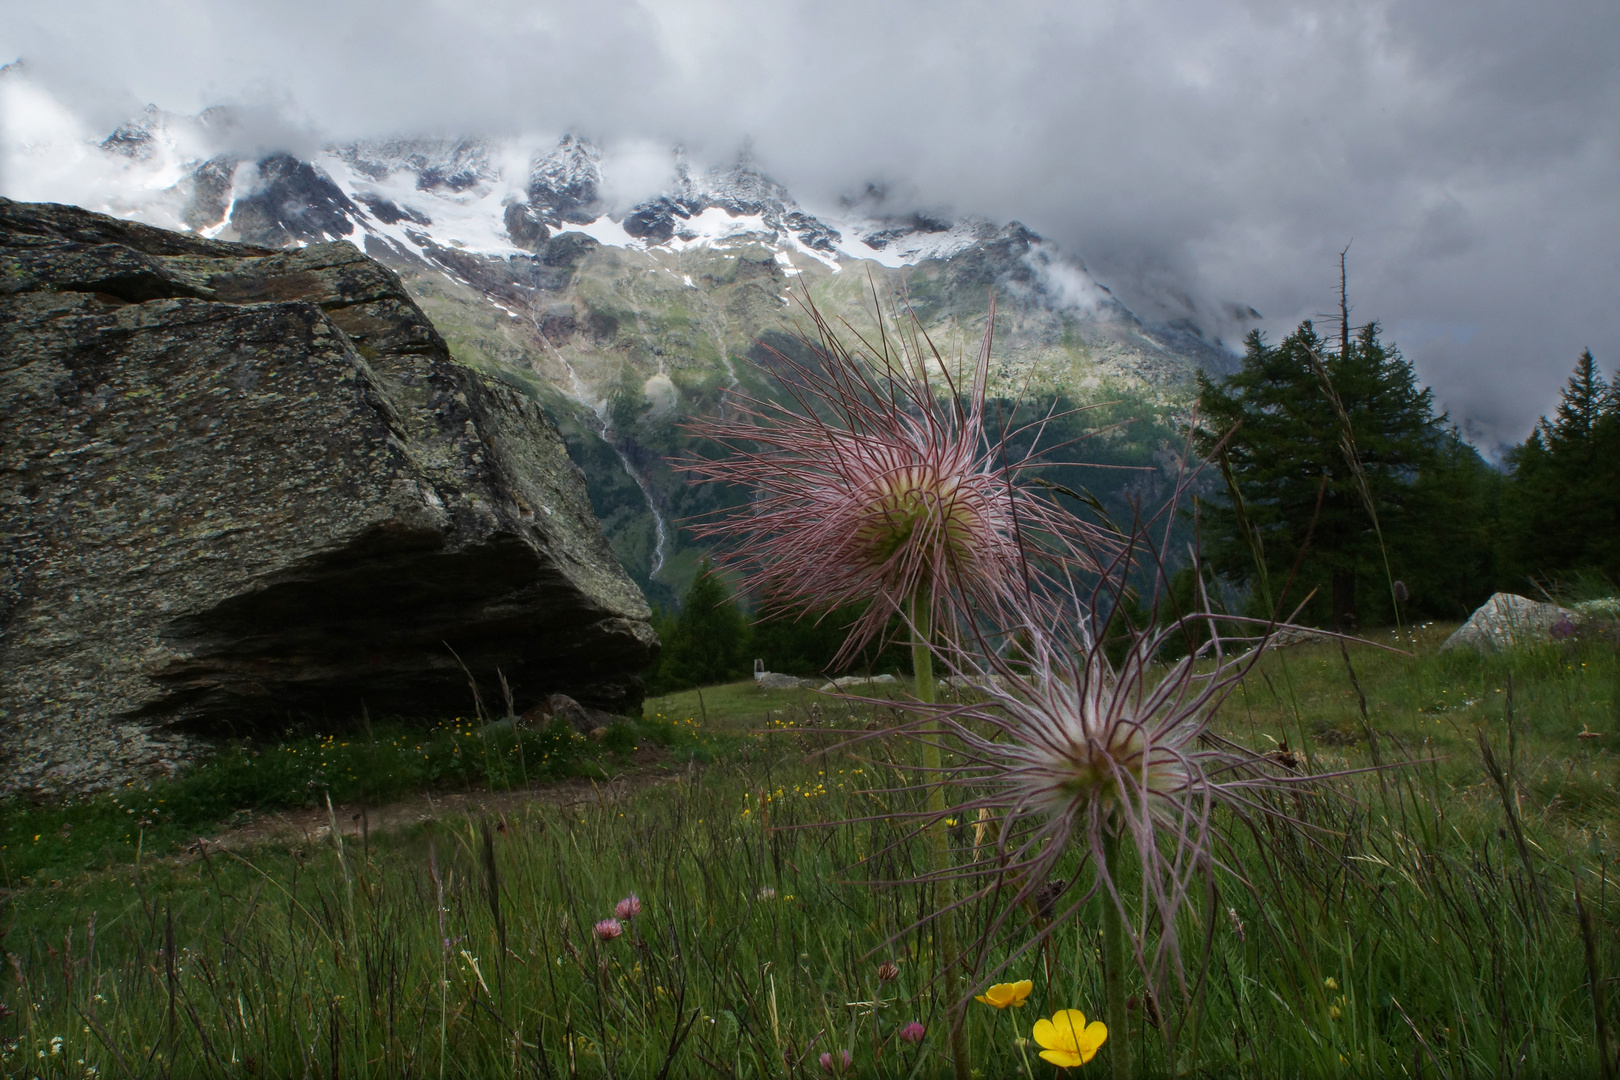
{"points": [[1002, 995], [1092, 1038], [1065, 1029], [1053, 1036], [1068, 1039]]}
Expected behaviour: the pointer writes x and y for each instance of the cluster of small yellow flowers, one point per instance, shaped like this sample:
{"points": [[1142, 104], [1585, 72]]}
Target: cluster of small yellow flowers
{"points": [[1336, 1006], [690, 721], [810, 790]]}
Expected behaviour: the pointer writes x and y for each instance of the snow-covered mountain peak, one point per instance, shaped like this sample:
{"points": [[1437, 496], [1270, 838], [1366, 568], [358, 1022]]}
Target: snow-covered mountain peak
{"points": [[453, 164], [412, 196], [744, 187], [135, 138], [435, 202], [687, 212], [566, 184], [159, 136]]}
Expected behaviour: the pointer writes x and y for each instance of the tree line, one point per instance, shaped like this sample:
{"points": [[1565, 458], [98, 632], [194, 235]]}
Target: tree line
{"points": [[711, 639], [1331, 481], [1339, 482]]}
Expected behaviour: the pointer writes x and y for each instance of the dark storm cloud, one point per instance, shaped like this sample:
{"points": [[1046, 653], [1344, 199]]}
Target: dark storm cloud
{"points": [[1197, 154]]}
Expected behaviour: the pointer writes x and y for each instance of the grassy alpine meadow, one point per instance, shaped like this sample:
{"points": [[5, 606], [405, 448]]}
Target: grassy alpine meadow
{"points": [[1449, 915]]}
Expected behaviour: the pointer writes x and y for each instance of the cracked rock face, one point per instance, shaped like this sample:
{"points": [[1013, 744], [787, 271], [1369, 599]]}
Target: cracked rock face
{"points": [[241, 488]]}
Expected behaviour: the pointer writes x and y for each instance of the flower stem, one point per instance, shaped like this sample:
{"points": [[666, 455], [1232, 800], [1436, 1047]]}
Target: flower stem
{"points": [[922, 667], [1113, 941]]}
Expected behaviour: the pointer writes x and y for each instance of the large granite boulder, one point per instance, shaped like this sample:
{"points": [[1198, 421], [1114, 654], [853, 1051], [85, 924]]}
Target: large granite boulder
{"points": [[241, 487], [1507, 620]]}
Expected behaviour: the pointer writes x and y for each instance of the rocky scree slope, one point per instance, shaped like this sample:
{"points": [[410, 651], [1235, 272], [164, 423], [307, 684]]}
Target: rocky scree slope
{"points": [[626, 321], [240, 486]]}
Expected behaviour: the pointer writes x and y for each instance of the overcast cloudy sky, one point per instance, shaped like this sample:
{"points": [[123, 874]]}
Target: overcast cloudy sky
{"points": [[1195, 153]]}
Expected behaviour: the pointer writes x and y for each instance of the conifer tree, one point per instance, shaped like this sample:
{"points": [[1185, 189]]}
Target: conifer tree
{"points": [[1561, 512], [1304, 472], [1580, 409], [707, 641]]}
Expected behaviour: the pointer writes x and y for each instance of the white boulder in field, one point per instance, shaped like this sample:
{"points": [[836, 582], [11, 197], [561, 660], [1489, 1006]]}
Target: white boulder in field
{"points": [[1506, 620]]}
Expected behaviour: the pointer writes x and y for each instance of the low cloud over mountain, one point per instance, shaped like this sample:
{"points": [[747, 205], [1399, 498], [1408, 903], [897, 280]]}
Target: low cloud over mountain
{"points": [[1203, 158]]}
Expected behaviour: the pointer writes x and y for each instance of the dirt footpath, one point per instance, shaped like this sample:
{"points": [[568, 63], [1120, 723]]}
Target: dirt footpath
{"points": [[314, 825]]}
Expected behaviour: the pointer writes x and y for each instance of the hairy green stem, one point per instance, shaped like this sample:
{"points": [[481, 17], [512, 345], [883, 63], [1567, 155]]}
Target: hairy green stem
{"points": [[922, 667], [1113, 940]]}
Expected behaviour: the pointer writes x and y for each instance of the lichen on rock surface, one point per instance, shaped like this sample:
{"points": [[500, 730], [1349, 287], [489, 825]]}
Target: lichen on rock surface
{"points": [[242, 487]]}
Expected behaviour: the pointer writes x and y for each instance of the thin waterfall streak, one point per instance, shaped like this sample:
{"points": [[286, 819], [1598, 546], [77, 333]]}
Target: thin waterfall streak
{"points": [[597, 409], [604, 431]]}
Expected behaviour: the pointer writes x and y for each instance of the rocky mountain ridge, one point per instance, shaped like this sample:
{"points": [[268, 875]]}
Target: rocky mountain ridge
{"points": [[437, 190], [624, 313]]}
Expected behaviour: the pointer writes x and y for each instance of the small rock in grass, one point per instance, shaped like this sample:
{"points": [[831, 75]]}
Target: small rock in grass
{"points": [[849, 682], [582, 718]]}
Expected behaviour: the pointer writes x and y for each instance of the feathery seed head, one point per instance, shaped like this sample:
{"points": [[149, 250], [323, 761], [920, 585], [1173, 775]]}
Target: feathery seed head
{"points": [[880, 481], [1068, 749], [914, 504], [1079, 748]]}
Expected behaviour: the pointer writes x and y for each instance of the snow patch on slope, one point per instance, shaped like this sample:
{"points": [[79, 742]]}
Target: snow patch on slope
{"points": [[895, 245], [469, 219]]}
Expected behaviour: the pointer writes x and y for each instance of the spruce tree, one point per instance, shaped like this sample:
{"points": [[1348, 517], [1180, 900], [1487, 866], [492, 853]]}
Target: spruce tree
{"points": [[707, 641], [1304, 472], [1561, 512], [1580, 410], [1448, 556]]}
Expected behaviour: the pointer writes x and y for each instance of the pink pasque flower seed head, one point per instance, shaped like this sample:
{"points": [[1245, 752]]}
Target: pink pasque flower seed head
{"points": [[608, 929], [629, 907], [913, 1033], [882, 484]]}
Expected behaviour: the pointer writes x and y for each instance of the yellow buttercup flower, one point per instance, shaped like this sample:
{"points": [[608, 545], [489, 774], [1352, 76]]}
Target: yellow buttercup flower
{"points": [[1002, 995], [1067, 1040]]}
